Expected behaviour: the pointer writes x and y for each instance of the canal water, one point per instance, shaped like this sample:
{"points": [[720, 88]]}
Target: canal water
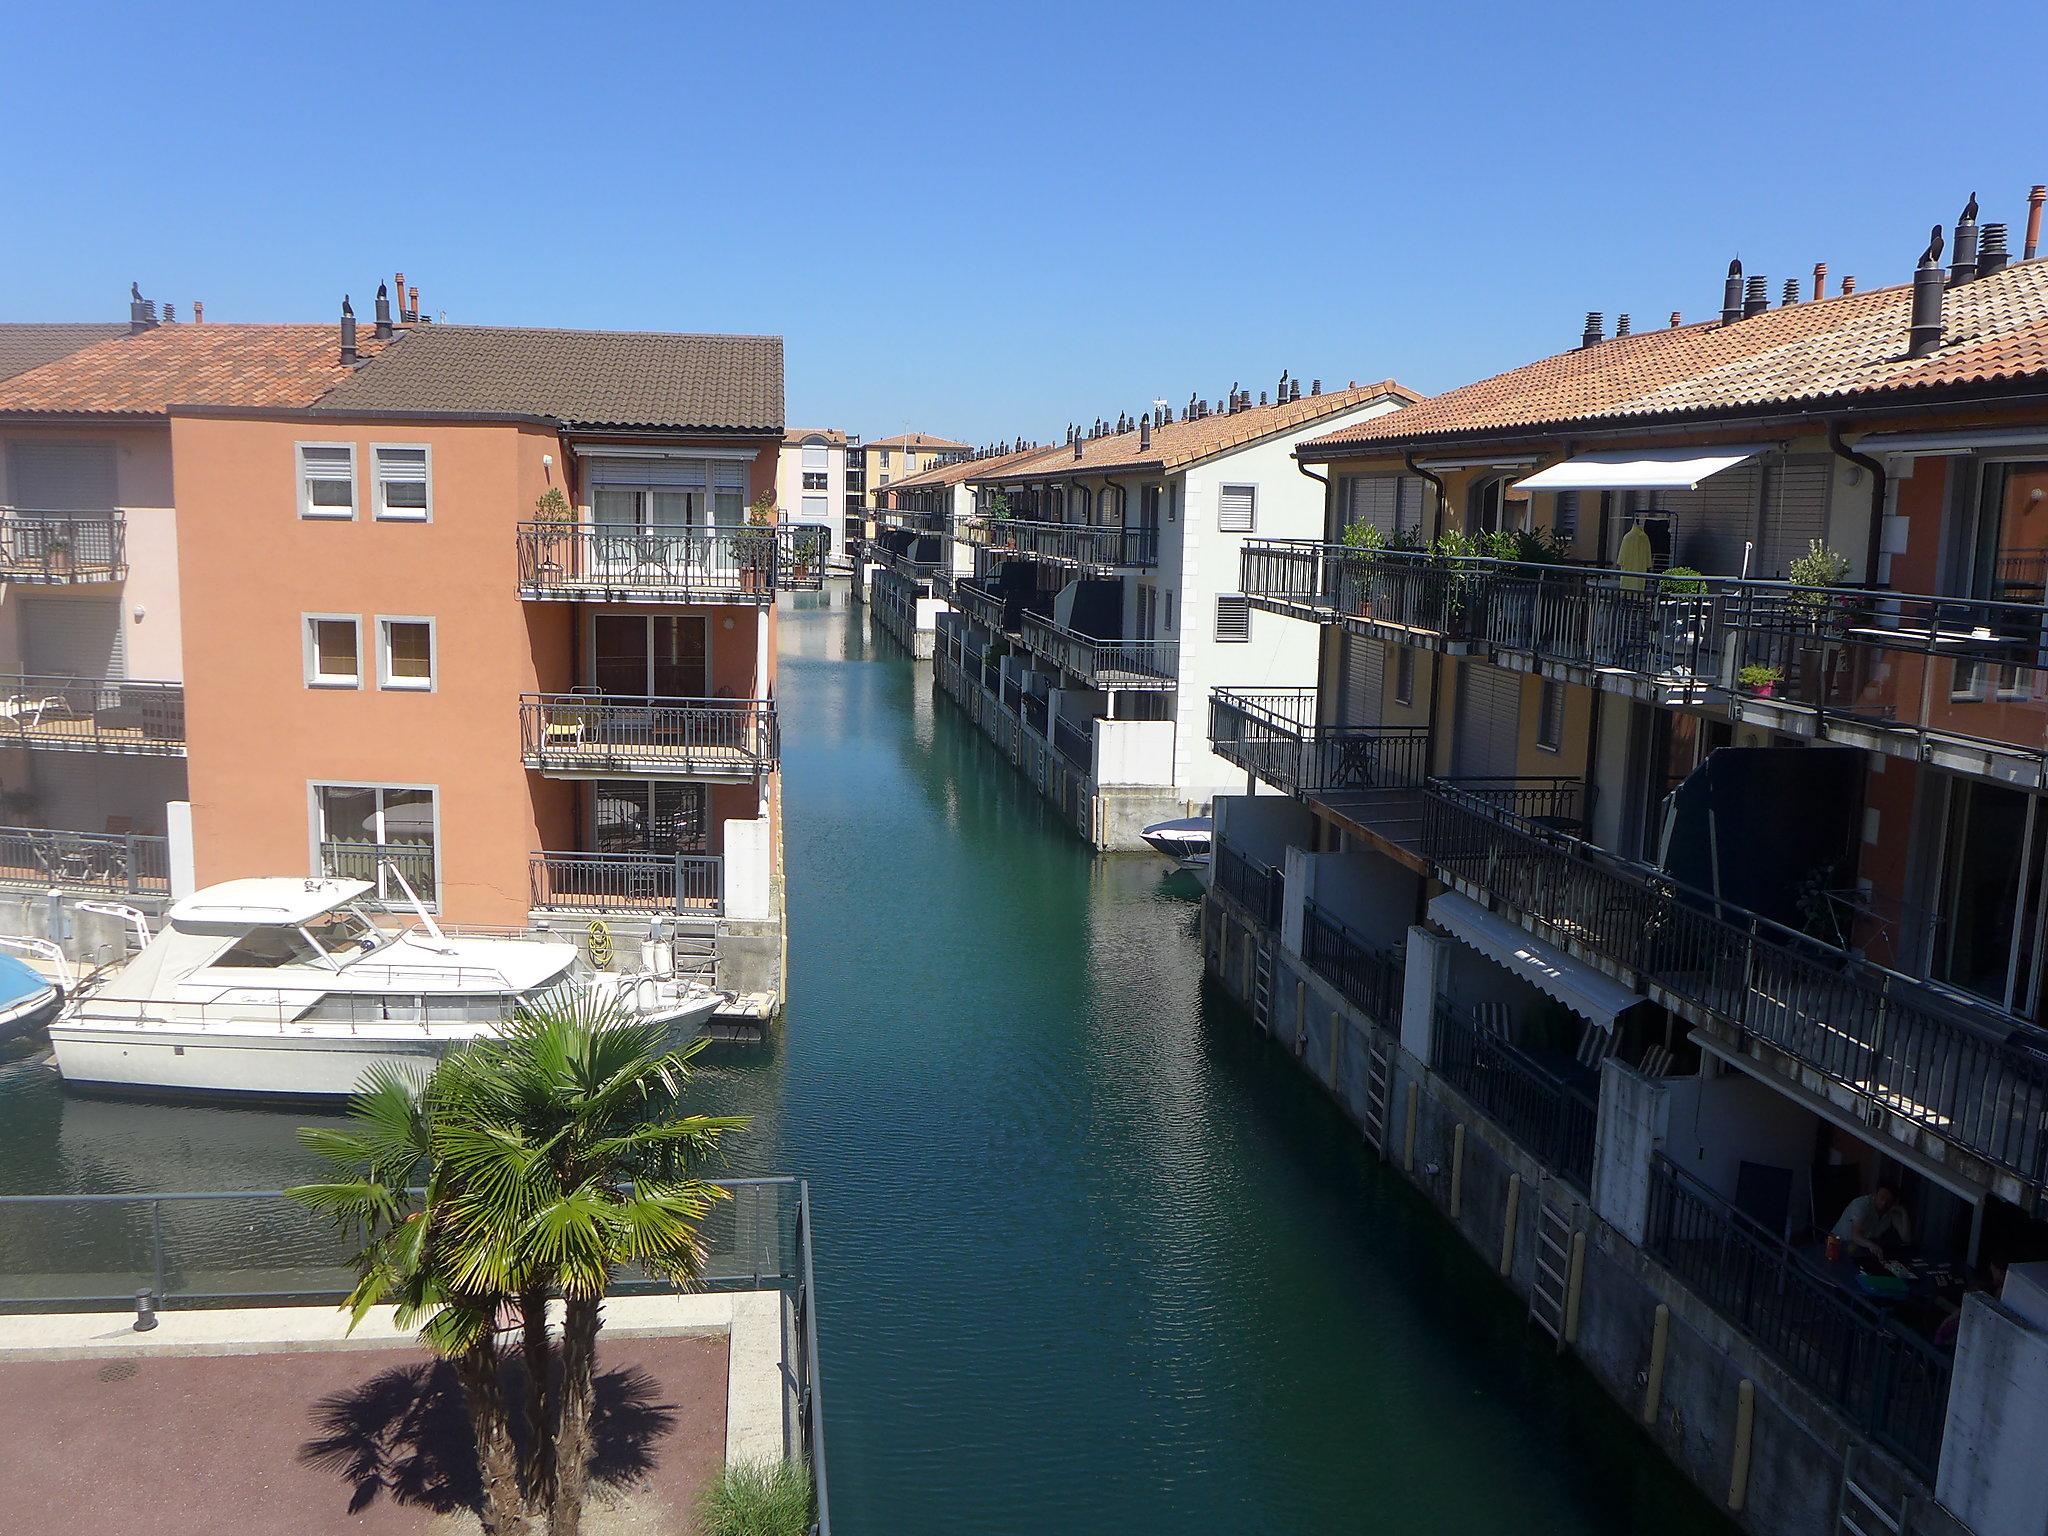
{"points": [[1092, 1256]]}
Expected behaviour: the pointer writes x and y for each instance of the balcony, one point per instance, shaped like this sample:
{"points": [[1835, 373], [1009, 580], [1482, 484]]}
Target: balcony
{"points": [[626, 563], [1552, 1117], [801, 553], [92, 714], [1271, 734], [578, 735], [1078, 546], [1370, 978], [125, 863], [1411, 597], [1103, 663], [1894, 1050], [627, 884], [982, 603], [42, 548]]}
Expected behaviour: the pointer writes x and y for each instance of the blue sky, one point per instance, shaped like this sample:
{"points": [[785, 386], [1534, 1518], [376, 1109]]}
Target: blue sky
{"points": [[986, 221]]}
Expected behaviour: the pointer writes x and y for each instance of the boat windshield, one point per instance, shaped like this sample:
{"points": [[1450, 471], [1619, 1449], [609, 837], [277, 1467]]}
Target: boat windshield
{"points": [[344, 933]]}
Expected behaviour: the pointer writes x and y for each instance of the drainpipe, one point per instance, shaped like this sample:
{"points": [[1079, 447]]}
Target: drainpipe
{"points": [[1324, 482], [1442, 498], [1877, 492]]}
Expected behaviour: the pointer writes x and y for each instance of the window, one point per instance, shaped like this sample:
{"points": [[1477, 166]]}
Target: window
{"points": [[816, 480], [404, 493], [885, 478], [1169, 611], [1233, 619], [327, 480], [816, 458], [1566, 518], [380, 832], [334, 649], [1238, 509], [1549, 715], [405, 654], [1404, 674], [816, 508], [885, 458]]}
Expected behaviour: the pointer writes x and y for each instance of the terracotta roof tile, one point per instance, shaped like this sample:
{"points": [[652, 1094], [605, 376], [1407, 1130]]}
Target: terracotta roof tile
{"points": [[793, 437], [916, 440], [1839, 349], [31, 344], [981, 467], [146, 374], [1179, 443]]}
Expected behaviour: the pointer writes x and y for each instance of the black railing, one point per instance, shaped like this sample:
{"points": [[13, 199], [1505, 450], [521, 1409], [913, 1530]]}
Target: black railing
{"points": [[1076, 745], [1552, 1119], [626, 882], [92, 714], [1971, 1081], [1271, 734], [982, 604], [58, 548], [622, 562], [1103, 663], [1081, 545], [89, 861], [575, 731], [1370, 978], [802, 551], [385, 865], [1033, 710], [1258, 888], [1892, 1384]]}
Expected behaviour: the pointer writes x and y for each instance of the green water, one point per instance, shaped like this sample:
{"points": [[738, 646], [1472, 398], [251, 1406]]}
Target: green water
{"points": [[1092, 1257]]}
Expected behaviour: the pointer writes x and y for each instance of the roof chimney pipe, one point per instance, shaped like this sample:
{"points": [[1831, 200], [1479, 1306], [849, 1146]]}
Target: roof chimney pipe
{"points": [[1758, 298], [1731, 293], [141, 311], [348, 334], [383, 313], [1820, 279], [398, 283], [1621, 324], [2035, 199], [1992, 253], [1848, 285], [1676, 319], [1590, 336], [198, 312], [1791, 291], [1963, 264], [1077, 445], [412, 302], [1315, 387], [1928, 283], [1145, 432]]}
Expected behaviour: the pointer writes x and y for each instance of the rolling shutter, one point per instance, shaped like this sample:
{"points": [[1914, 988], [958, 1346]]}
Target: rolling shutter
{"points": [[61, 476], [1795, 513], [1488, 722], [1390, 503], [1361, 672], [686, 474], [72, 639]]}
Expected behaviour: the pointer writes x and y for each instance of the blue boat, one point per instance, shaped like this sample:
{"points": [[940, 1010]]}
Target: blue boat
{"points": [[28, 999]]}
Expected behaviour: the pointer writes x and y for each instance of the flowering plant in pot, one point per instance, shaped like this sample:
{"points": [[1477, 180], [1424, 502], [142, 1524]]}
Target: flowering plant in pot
{"points": [[1760, 678], [754, 544]]}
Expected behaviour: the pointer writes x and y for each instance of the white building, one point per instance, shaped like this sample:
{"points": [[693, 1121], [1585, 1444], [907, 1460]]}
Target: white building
{"points": [[1096, 602], [810, 479]]}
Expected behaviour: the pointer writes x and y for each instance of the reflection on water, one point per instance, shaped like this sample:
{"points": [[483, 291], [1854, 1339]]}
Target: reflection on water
{"points": [[1092, 1256]]}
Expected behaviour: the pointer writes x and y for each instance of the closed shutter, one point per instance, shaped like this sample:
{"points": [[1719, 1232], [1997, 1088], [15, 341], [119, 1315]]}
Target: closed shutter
{"points": [[1711, 524], [687, 474], [1233, 618], [1390, 503], [1361, 670], [1488, 722], [1795, 513], [73, 639], [61, 476], [816, 457], [1237, 508]]}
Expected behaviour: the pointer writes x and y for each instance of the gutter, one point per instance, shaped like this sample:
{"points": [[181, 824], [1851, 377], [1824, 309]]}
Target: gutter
{"points": [[1877, 496], [1442, 503], [1324, 481]]}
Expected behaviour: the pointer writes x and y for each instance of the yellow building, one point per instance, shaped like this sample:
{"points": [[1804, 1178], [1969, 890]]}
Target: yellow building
{"points": [[888, 459]]}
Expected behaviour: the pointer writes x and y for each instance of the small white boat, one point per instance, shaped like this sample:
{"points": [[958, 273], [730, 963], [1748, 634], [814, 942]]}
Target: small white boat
{"points": [[1185, 840], [286, 988], [28, 999]]}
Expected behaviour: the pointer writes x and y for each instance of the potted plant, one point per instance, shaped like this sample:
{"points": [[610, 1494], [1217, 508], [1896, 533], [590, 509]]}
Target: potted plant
{"points": [[1760, 678], [754, 544], [552, 514], [803, 549], [57, 560]]}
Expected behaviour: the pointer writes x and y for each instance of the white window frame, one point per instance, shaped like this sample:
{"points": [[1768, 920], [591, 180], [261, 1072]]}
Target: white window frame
{"points": [[324, 514], [1246, 607], [385, 678], [378, 509], [1252, 519], [309, 647], [315, 829]]}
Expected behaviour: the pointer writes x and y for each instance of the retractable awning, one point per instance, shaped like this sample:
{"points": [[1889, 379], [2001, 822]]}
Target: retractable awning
{"points": [[1587, 992], [1641, 469]]}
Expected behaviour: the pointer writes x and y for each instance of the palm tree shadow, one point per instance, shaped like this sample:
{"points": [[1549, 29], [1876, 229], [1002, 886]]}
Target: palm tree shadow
{"points": [[404, 1434]]}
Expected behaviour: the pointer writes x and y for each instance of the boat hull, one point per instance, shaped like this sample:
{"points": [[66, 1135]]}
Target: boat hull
{"points": [[26, 1015]]}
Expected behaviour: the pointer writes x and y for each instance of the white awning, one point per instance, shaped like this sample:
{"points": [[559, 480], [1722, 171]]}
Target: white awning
{"points": [[1641, 469], [1577, 985]]}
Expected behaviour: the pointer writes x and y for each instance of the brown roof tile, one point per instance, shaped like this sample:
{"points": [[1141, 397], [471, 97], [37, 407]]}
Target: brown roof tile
{"points": [[1827, 350], [31, 344], [591, 379], [916, 441], [220, 365], [1180, 443], [980, 467], [793, 437]]}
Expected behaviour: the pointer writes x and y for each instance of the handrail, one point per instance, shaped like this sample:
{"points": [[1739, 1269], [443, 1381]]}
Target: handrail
{"points": [[1098, 546], [568, 881], [1369, 976], [57, 547], [1549, 1116], [134, 862], [1263, 734], [1107, 663], [100, 714], [586, 729], [1256, 886], [621, 560]]}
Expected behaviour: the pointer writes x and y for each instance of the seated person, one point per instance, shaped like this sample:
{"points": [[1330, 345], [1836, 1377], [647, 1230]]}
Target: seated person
{"points": [[1875, 1224]]}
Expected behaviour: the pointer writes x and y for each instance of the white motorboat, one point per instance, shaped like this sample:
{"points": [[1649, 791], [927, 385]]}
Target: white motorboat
{"points": [[286, 988], [28, 999], [1185, 840]]}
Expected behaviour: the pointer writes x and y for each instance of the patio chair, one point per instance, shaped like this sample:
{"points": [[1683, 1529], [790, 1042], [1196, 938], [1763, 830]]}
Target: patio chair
{"points": [[26, 711], [1493, 1018]]}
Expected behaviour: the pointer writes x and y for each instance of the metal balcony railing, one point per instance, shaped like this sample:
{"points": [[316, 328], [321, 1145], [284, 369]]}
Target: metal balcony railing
{"points": [[92, 714], [1422, 595], [61, 548], [134, 862], [1271, 735], [655, 883], [1553, 1119], [1369, 977], [801, 553], [384, 864], [1080, 545], [1892, 1384], [1975, 1079], [714, 738], [1076, 745], [624, 562], [982, 604], [1257, 887], [1031, 708], [1102, 663]]}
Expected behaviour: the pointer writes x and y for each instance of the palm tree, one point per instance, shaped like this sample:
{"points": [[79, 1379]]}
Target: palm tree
{"points": [[391, 1205], [567, 1156]]}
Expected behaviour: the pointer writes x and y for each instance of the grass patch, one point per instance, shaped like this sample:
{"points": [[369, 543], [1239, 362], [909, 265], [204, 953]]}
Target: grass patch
{"points": [[758, 1499]]}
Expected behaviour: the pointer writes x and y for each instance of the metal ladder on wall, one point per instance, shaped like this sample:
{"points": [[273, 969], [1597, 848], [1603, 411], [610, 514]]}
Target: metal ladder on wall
{"points": [[1262, 985], [1379, 1091], [1862, 1512], [1550, 1294]]}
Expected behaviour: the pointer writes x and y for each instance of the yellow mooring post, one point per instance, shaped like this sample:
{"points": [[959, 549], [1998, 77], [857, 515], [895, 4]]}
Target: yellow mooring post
{"points": [[1507, 1229], [1572, 1287], [1660, 1340], [1745, 1425], [1457, 1169], [1408, 1151]]}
